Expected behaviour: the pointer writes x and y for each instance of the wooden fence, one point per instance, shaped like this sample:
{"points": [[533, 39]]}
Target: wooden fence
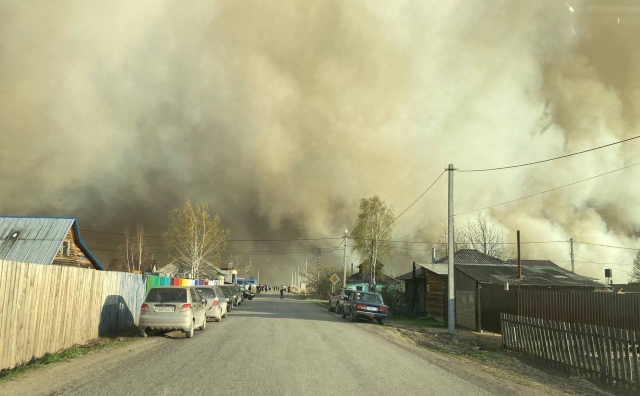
{"points": [[46, 308], [598, 352], [607, 309]]}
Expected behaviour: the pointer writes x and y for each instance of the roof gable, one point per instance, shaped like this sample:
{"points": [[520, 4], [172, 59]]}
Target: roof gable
{"points": [[38, 239]]}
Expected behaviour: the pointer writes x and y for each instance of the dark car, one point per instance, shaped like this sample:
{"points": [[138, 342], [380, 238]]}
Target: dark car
{"points": [[248, 294], [229, 295], [365, 305], [337, 299]]}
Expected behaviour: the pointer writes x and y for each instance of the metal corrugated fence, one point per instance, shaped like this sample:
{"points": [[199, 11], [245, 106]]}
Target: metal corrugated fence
{"points": [[613, 310]]}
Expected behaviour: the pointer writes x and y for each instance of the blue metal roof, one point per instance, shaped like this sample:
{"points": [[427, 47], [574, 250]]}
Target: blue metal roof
{"points": [[37, 239]]}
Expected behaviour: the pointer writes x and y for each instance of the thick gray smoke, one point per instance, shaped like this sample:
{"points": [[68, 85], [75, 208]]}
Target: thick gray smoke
{"points": [[283, 114]]}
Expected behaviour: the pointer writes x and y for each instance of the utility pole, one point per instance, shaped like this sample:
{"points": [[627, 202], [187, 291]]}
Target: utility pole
{"points": [[306, 276], [519, 259], [258, 276], [344, 273], [450, 281], [573, 263], [298, 277]]}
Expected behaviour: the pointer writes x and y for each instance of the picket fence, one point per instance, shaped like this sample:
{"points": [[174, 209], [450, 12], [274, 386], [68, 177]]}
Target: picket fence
{"points": [[47, 308], [597, 352]]}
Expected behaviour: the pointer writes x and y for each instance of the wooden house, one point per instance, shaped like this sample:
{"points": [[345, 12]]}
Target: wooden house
{"points": [[44, 240]]}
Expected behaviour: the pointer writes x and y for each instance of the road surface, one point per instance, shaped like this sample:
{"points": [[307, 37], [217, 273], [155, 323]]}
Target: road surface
{"points": [[267, 346]]}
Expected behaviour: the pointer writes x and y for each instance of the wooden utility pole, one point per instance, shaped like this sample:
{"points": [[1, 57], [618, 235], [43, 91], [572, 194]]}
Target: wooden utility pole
{"points": [[519, 259], [573, 262]]}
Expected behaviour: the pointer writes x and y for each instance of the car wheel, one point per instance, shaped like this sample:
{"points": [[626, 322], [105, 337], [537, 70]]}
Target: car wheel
{"points": [[143, 334], [352, 318], [338, 309], [189, 333], [204, 324], [329, 307], [344, 313], [225, 315], [380, 321]]}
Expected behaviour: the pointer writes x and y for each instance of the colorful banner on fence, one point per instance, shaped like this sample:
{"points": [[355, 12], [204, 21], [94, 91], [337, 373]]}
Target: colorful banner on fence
{"points": [[153, 281]]}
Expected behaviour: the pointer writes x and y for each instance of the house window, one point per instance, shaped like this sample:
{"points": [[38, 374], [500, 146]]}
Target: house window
{"points": [[65, 248]]}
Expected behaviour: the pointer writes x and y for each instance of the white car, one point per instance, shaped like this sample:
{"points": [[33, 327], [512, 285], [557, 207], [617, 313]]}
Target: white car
{"points": [[173, 308], [216, 307]]}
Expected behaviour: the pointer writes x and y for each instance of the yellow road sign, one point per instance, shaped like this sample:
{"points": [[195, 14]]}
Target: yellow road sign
{"points": [[334, 278]]}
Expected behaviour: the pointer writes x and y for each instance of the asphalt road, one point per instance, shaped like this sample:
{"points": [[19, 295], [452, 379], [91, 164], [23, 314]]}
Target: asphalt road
{"points": [[269, 346]]}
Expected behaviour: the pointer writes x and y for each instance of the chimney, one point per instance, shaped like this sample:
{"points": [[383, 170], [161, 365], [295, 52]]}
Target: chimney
{"points": [[433, 255]]}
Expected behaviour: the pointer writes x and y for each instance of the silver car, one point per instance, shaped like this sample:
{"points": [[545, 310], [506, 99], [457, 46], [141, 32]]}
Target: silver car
{"points": [[216, 307], [173, 308]]}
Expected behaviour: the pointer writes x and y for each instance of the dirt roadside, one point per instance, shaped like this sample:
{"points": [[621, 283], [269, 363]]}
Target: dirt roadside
{"points": [[55, 376], [484, 353]]}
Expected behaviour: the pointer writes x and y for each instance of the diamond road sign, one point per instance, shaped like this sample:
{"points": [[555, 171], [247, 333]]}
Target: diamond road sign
{"points": [[334, 278]]}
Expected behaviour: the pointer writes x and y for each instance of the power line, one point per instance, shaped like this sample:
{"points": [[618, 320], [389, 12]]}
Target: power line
{"points": [[417, 199], [607, 246], [549, 159], [427, 227], [228, 240], [546, 191]]}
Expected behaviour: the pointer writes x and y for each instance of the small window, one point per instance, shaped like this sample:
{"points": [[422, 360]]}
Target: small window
{"points": [[65, 248]]}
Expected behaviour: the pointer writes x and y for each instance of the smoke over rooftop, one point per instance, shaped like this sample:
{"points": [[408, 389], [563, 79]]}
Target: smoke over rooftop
{"points": [[282, 115]]}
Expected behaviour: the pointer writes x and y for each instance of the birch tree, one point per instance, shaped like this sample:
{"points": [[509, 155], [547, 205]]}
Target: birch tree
{"points": [[195, 241], [134, 253], [373, 225]]}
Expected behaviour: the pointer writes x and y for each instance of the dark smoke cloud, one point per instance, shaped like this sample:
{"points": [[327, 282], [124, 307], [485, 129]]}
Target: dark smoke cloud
{"points": [[282, 115]]}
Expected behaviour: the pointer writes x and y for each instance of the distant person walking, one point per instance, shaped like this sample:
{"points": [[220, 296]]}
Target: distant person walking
{"points": [[281, 293]]}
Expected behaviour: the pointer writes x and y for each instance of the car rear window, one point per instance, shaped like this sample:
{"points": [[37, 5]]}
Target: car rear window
{"points": [[372, 298], [347, 293], [206, 292], [166, 295], [225, 291]]}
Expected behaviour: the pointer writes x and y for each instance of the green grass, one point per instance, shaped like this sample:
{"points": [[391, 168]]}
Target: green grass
{"points": [[49, 358], [323, 304]]}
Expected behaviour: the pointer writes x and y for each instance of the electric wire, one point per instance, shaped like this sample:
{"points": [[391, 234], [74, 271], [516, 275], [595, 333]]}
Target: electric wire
{"points": [[549, 159], [417, 199], [547, 191]]}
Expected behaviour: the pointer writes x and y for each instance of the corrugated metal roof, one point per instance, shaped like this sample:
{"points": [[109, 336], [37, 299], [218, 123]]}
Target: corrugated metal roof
{"points": [[531, 276], [32, 239], [471, 256], [37, 239]]}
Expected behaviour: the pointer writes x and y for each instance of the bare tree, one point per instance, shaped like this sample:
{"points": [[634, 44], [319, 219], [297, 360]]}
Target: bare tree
{"points": [[134, 252], [477, 233], [243, 266], [483, 236], [195, 241], [372, 230], [635, 272]]}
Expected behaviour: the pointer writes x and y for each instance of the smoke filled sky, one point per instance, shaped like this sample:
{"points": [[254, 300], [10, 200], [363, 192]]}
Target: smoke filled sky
{"points": [[282, 115]]}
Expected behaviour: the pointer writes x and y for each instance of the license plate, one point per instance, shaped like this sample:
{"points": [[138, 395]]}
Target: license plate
{"points": [[165, 309], [372, 308]]}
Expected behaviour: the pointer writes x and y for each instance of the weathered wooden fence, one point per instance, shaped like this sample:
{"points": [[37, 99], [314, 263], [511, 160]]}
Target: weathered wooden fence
{"points": [[598, 352], [46, 308], [594, 308]]}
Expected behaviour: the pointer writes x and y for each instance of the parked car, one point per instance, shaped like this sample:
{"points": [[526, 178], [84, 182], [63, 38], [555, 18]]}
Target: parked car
{"points": [[365, 305], [216, 307], [239, 295], [248, 294], [173, 308], [337, 299], [229, 296]]}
